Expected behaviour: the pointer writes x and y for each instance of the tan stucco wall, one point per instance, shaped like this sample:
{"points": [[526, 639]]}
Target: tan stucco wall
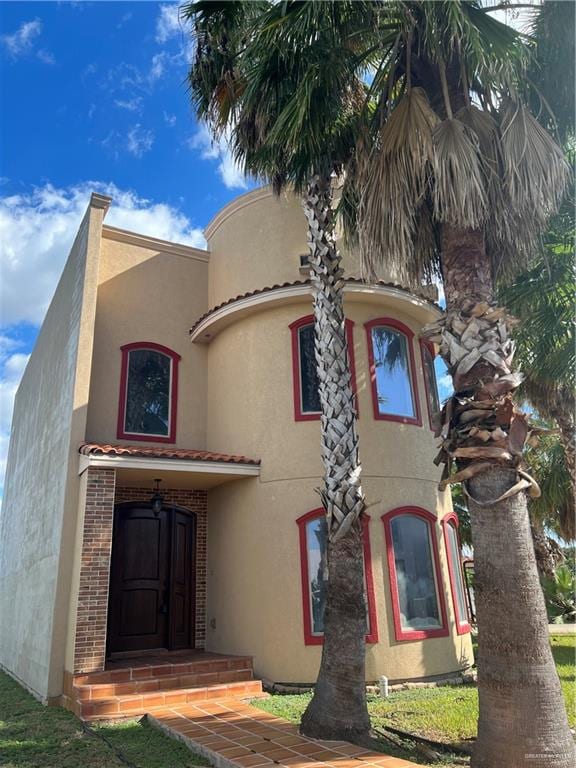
{"points": [[41, 489], [256, 241], [145, 294], [254, 587]]}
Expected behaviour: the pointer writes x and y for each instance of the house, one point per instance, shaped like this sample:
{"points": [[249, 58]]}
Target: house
{"points": [[161, 497]]}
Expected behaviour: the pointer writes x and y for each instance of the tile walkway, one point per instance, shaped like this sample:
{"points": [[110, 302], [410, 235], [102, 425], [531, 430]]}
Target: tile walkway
{"points": [[232, 734]]}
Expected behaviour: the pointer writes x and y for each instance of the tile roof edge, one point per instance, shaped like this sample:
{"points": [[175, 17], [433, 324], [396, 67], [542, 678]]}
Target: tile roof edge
{"points": [[294, 283]]}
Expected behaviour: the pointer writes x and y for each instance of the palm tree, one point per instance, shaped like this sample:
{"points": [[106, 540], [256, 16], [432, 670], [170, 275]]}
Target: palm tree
{"points": [[460, 171], [448, 168], [289, 104]]}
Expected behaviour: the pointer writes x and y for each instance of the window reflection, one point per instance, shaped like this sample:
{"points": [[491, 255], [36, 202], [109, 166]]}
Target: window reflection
{"points": [[148, 393], [454, 554], [392, 371], [309, 384], [415, 577]]}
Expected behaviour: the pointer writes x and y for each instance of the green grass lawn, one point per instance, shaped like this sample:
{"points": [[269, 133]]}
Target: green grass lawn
{"points": [[447, 714], [34, 736]]}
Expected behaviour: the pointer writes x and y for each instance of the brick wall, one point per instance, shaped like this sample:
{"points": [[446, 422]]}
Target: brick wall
{"points": [[195, 501], [91, 616]]}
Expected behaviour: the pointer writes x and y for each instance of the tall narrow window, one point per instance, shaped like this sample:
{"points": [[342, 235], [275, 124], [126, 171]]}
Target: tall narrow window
{"points": [[392, 371], [148, 393], [305, 378], [417, 598], [314, 569], [450, 525], [432, 394]]}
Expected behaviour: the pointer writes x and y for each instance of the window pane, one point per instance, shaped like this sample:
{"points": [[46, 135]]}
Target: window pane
{"points": [[417, 593], [308, 376], [461, 612], [148, 393], [316, 538], [393, 385], [431, 385]]}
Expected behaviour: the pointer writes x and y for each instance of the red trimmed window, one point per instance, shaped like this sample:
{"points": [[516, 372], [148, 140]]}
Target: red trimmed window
{"points": [[452, 544], [148, 393], [392, 371], [304, 374], [313, 540], [430, 383], [418, 604]]}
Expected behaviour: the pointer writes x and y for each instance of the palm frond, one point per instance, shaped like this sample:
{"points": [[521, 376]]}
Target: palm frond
{"points": [[458, 192], [395, 177], [536, 173]]}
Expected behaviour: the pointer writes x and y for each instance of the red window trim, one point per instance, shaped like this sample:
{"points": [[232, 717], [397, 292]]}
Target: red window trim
{"points": [[430, 347], [175, 359], [309, 637], [397, 326], [399, 632], [299, 415], [451, 518]]}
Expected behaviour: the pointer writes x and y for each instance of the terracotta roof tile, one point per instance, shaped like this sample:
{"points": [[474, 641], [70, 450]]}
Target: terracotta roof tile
{"points": [[153, 452], [355, 280]]}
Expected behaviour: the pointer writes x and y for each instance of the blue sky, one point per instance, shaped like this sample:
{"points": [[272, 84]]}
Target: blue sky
{"points": [[93, 97]]}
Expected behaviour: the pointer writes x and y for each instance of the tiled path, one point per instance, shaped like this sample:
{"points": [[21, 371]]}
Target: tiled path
{"points": [[232, 734]]}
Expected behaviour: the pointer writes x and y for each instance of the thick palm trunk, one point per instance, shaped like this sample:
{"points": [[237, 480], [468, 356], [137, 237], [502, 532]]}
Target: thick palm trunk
{"points": [[338, 708], [522, 719]]}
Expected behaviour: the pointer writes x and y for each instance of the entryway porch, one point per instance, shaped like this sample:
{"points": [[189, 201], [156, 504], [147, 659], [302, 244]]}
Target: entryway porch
{"points": [[140, 684], [142, 580]]}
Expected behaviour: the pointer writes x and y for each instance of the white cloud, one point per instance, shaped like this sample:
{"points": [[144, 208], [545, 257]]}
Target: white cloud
{"points": [[139, 140], [132, 105], [167, 23], [170, 120], [21, 42], [228, 169], [45, 56], [36, 233], [158, 66], [37, 230], [124, 20]]}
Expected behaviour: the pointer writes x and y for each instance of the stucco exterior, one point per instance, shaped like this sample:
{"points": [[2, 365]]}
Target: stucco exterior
{"points": [[235, 397], [41, 488]]}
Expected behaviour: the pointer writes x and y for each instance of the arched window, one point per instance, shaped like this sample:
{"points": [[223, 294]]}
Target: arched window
{"points": [[148, 393], [304, 375], [414, 569], [313, 567], [452, 543], [392, 371], [431, 383]]}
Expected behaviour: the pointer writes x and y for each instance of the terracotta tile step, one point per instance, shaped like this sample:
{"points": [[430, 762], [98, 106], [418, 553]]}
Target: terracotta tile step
{"points": [[131, 705], [160, 683], [147, 671]]}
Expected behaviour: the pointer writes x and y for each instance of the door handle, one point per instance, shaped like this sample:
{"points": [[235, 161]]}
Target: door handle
{"points": [[164, 606]]}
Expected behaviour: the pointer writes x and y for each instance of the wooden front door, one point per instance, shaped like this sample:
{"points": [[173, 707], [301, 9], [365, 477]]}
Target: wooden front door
{"points": [[151, 579]]}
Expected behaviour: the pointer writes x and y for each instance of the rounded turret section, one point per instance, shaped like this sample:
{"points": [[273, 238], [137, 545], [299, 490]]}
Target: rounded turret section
{"points": [[265, 535]]}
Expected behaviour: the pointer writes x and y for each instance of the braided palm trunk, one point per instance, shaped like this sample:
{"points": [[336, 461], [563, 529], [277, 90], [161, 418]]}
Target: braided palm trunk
{"points": [[338, 708], [522, 718]]}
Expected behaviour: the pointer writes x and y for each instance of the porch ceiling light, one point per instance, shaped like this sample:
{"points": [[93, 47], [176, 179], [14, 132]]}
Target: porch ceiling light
{"points": [[157, 499]]}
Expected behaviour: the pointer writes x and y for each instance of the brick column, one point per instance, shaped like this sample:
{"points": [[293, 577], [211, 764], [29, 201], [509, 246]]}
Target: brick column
{"points": [[92, 612]]}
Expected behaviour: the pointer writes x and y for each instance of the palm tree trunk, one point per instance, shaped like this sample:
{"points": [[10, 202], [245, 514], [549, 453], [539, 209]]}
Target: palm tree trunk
{"points": [[338, 708], [522, 720]]}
